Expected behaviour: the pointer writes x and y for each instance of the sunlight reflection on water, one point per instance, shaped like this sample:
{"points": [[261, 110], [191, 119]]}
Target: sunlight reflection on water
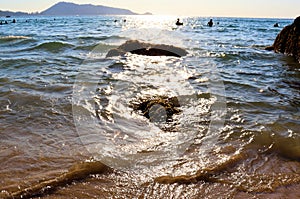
{"points": [[123, 134]]}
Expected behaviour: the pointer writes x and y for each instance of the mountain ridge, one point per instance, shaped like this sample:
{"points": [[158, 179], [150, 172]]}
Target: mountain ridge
{"points": [[68, 9]]}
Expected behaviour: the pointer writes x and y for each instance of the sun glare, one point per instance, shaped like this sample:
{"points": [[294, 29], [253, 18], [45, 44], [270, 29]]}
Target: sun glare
{"points": [[153, 21]]}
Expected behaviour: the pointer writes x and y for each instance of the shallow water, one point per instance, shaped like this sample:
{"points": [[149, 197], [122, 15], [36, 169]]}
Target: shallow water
{"points": [[62, 101]]}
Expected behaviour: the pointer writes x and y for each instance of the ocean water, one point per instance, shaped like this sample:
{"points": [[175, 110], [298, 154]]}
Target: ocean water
{"points": [[62, 101]]}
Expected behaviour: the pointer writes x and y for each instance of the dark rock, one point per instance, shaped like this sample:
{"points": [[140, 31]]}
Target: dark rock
{"points": [[154, 52], [169, 105], [288, 40], [141, 48], [269, 48]]}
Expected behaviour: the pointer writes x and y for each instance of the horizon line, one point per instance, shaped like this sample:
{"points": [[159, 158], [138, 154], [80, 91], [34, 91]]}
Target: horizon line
{"points": [[162, 15]]}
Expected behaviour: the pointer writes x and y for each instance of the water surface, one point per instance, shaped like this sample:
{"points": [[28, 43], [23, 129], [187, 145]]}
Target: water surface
{"points": [[62, 101]]}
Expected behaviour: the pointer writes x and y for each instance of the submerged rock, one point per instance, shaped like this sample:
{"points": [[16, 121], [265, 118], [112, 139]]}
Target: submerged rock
{"points": [[158, 108], [141, 48], [288, 40], [78, 171], [219, 172], [206, 174]]}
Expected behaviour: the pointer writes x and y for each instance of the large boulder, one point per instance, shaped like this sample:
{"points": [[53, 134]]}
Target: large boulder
{"points": [[141, 48], [288, 40]]}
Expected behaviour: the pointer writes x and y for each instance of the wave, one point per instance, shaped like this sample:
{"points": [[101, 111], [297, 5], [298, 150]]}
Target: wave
{"points": [[97, 46], [280, 136], [53, 46], [17, 62], [56, 47], [101, 38], [238, 84], [9, 41], [253, 54], [12, 38]]}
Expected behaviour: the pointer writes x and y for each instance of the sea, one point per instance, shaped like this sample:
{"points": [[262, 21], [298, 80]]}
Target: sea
{"points": [[63, 101]]}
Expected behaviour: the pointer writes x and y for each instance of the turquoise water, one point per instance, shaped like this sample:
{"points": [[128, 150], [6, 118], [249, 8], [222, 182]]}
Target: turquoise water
{"points": [[62, 101]]}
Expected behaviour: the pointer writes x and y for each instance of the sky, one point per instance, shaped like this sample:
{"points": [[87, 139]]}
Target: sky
{"points": [[230, 8]]}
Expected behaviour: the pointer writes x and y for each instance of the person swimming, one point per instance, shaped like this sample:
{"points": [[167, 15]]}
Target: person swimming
{"points": [[276, 25], [210, 23], [178, 23]]}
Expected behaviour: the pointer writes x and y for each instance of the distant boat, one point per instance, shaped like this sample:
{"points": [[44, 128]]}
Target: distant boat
{"points": [[7, 16]]}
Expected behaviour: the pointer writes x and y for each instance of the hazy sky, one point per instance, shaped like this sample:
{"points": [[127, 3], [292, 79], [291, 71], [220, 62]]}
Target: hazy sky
{"points": [[239, 8]]}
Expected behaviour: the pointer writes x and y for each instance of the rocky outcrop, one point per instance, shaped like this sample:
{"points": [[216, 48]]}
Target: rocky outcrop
{"points": [[288, 40], [141, 48]]}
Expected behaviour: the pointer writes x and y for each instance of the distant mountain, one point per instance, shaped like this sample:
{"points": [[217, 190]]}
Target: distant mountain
{"points": [[9, 13], [65, 8]]}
